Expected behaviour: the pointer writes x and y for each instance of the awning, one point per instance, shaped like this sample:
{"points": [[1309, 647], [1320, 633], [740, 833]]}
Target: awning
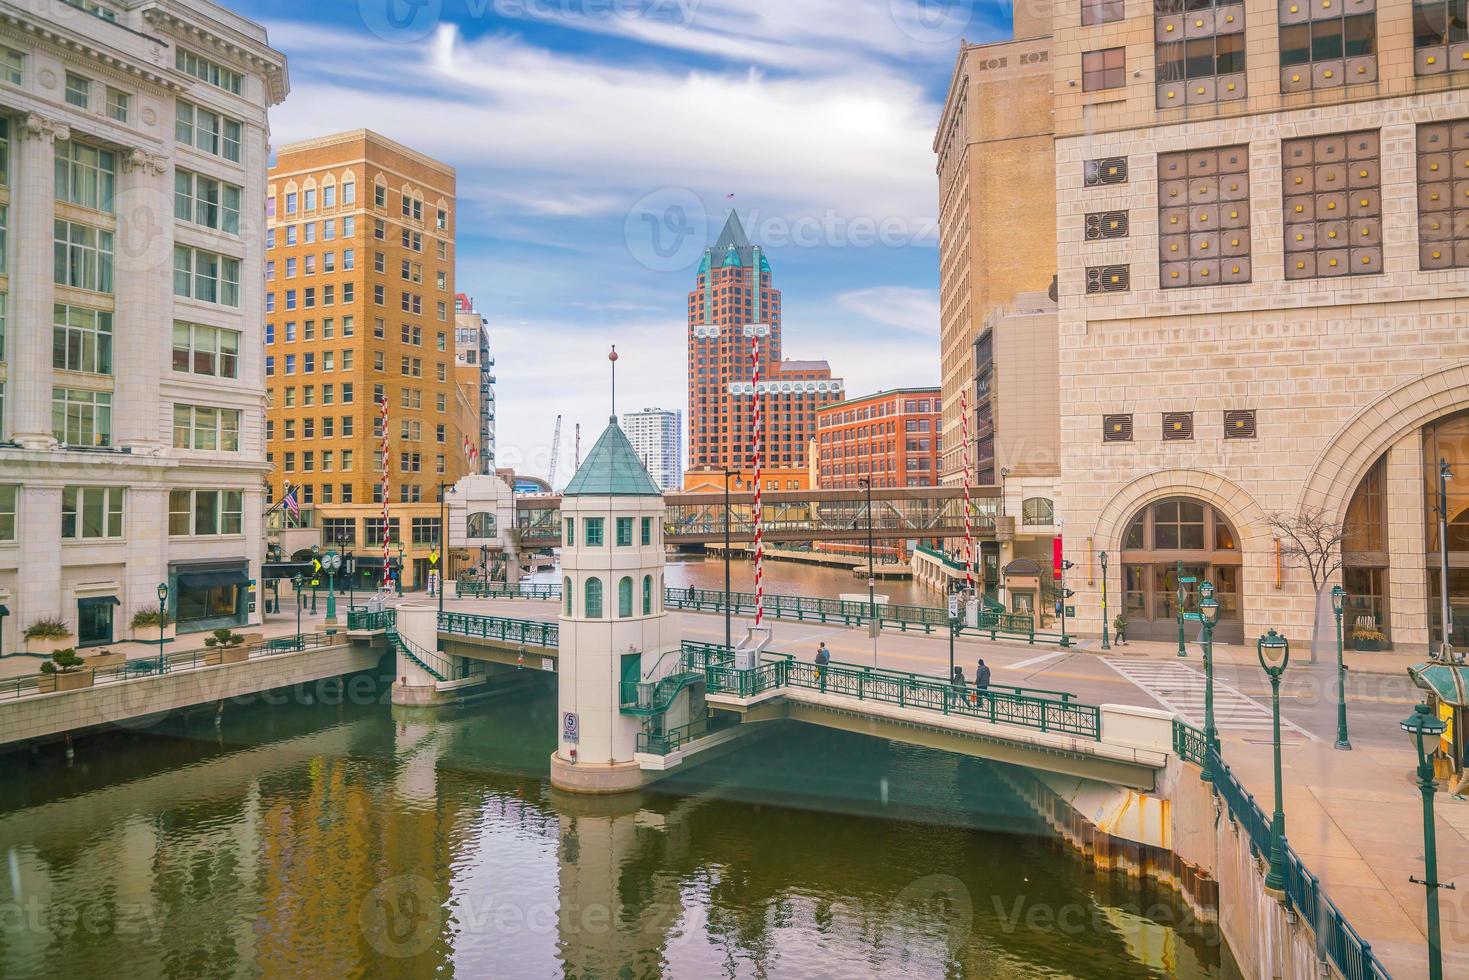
{"points": [[105, 600], [1448, 682], [212, 580]]}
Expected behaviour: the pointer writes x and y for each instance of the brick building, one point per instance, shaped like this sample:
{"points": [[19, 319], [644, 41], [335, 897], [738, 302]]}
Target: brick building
{"points": [[733, 301], [360, 310], [891, 437]]}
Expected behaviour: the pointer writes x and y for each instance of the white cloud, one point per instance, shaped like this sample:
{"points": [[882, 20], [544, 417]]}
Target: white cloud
{"points": [[904, 307]]}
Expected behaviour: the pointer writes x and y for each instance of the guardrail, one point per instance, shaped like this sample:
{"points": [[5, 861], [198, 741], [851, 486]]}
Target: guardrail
{"points": [[1189, 744], [1335, 938], [803, 608], [527, 632], [476, 589], [664, 743]]}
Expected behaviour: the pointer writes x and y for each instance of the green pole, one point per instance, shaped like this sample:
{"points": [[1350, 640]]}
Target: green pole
{"points": [[1337, 601], [1275, 880], [1106, 638], [1182, 650], [1211, 734], [1430, 866]]}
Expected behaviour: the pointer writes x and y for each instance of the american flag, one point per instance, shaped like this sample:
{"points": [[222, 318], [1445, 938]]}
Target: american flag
{"points": [[290, 501], [471, 451]]}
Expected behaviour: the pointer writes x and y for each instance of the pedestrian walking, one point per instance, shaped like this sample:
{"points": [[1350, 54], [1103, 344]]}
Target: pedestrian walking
{"points": [[1119, 627], [957, 685], [981, 679], [823, 657]]}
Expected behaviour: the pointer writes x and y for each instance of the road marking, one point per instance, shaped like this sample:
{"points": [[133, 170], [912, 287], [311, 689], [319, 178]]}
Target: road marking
{"points": [[1180, 689], [1035, 660]]}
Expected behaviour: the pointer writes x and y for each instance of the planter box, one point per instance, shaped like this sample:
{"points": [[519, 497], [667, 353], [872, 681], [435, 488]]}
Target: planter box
{"points": [[1367, 646], [48, 647], [106, 660], [234, 655], [149, 634], [74, 681]]}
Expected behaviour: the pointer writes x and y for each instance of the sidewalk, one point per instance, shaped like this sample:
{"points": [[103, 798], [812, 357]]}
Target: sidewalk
{"points": [[1386, 662]]}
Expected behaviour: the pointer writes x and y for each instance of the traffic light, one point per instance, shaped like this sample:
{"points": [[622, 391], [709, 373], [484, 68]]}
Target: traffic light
{"points": [[1066, 565]]}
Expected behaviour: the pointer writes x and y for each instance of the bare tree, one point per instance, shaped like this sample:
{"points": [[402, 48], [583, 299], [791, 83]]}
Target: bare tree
{"points": [[1313, 540]]}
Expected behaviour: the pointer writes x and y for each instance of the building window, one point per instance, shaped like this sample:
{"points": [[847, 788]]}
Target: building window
{"points": [[85, 176], [83, 257], [208, 131], [1200, 51], [1440, 36], [1178, 426], [9, 495], [209, 277], [208, 71], [1239, 424], [624, 532], [568, 538], [1332, 206], [1117, 428], [1101, 225], [425, 530], [1443, 196], [593, 606], [1101, 12], [81, 340], [1105, 171], [118, 105], [205, 512], [1038, 512], [647, 531], [1204, 217], [593, 537], [81, 418], [210, 351], [208, 202], [91, 512], [624, 597], [481, 525], [1322, 46], [78, 91], [204, 428], [12, 66], [1103, 69]]}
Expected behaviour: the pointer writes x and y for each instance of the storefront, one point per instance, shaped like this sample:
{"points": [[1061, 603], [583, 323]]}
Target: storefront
{"points": [[96, 620], [210, 595], [1170, 548]]}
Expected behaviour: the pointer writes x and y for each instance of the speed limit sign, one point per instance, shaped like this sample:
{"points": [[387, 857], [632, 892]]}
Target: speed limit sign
{"points": [[570, 727]]}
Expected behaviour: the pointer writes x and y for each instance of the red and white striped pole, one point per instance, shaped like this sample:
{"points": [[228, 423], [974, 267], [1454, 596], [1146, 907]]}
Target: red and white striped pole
{"points": [[968, 506], [387, 552], [757, 437]]}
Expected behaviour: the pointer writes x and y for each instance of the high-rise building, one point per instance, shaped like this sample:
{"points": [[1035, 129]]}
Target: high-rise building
{"points": [[997, 227], [359, 326], [657, 437], [133, 146], [733, 303], [474, 368], [1264, 280], [890, 437]]}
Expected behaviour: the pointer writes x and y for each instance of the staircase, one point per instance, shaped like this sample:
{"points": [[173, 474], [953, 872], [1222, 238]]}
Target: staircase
{"points": [[436, 666]]}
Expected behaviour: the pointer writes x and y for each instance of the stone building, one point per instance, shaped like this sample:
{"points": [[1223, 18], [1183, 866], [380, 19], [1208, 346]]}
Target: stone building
{"points": [[133, 149], [1264, 305]]}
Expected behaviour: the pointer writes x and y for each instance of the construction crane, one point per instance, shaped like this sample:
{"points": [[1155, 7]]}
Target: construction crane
{"points": [[555, 453]]}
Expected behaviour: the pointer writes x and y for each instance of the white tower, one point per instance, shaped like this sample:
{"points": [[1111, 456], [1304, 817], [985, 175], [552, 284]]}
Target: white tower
{"points": [[613, 626]]}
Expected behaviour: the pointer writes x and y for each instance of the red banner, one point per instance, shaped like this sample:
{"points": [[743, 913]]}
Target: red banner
{"points": [[1057, 551]]}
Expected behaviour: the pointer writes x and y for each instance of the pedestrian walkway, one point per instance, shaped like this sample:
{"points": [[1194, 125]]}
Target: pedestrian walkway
{"points": [[1180, 689]]}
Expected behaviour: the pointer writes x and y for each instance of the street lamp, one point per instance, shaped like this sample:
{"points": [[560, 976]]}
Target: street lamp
{"points": [[4, 611], [162, 620], [1182, 598], [866, 484], [956, 624], [1424, 729], [1209, 616], [1339, 606], [351, 567], [331, 562], [484, 566], [443, 554], [728, 637], [1274, 653], [399, 543], [1106, 637], [298, 581], [1445, 474]]}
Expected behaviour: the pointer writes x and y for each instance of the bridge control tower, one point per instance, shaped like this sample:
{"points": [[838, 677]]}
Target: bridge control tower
{"points": [[617, 642]]}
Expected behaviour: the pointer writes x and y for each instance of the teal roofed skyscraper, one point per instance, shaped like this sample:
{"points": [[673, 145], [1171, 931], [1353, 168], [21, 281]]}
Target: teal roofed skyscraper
{"points": [[733, 248], [612, 469]]}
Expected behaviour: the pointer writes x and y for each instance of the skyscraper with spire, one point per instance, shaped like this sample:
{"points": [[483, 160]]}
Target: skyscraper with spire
{"points": [[733, 304]]}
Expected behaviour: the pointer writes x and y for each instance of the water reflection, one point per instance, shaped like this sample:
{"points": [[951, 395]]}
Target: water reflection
{"points": [[358, 842], [789, 578]]}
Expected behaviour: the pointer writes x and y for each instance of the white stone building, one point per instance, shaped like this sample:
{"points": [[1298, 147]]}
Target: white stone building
{"points": [[133, 150], [657, 437]]}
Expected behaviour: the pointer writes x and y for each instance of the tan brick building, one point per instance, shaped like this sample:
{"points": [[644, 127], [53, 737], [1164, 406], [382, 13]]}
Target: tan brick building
{"points": [[1264, 304], [360, 311]]}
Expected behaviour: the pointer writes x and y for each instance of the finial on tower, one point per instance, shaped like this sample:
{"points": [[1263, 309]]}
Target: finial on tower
{"points": [[613, 358]]}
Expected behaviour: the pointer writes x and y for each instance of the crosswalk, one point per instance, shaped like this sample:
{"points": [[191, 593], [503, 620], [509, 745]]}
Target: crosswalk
{"points": [[1180, 688]]}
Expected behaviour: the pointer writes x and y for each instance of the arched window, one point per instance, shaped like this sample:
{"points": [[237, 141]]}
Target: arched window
{"points": [[1038, 512], [647, 595], [624, 597], [1172, 546], [566, 594], [482, 525], [593, 608]]}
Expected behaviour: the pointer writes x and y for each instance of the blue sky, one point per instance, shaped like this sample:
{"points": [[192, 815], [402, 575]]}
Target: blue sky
{"points": [[597, 142]]}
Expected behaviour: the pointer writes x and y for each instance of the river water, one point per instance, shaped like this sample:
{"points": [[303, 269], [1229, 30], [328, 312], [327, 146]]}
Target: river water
{"points": [[791, 578], [322, 839]]}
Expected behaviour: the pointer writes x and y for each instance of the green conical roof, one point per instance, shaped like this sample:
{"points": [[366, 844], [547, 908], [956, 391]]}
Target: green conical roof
{"points": [[612, 469]]}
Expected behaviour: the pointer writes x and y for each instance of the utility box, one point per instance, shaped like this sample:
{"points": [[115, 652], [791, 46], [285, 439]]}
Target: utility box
{"points": [[747, 653]]}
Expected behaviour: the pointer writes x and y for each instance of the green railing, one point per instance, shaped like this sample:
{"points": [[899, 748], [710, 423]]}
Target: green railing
{"points": [[648, 698], [526, 632], [478, 589], [1189, 743], [957, 566], [361, 619], [809, 608], [1336, 940], [996, 622], [664, 743]]}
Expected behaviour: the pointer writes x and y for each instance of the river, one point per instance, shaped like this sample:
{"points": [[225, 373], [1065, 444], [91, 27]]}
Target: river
{"points": [[328, 839], [791, 578]]}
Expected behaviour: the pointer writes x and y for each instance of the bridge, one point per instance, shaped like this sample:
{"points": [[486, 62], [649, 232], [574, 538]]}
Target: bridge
{"points": [[792, 515]]}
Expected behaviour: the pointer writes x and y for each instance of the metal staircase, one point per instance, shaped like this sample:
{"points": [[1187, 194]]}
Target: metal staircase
{"points": [[436, 666]]}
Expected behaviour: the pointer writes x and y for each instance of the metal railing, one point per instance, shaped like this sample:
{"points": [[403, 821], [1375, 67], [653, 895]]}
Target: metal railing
{"points": [[362, 619], [803, 608], [527, 632], [478, 589], [1189, 743], [665, 743], [1335, 938]]}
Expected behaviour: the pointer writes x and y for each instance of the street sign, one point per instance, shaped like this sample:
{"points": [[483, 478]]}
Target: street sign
{"points": [[433, 557], [1071, 610], [953, 605], [570, 727], [1195, 617], [1188, 579]]}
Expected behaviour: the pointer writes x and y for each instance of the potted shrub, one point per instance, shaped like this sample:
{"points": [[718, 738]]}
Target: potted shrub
{"points": [[1368, 639], [47, 636], [145, 626], [65, 671], [231, 646]]}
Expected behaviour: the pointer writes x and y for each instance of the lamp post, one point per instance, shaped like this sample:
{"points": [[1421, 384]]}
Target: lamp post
{"points": [[1339, 606], [728, 637], [399, 543], [315, 575], [1209, 616], [866, 483], [956, 623], [4, 611], [484, 566], [1445, 474], [298, 581], [162, 622], [1182, 598], [1423, 730], [331, 562], [443, 554], [1106, 636], [351, 568], [1274, 653]]}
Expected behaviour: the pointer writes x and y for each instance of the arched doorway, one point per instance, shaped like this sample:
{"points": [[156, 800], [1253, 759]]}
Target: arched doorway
{"points": [[1447, 441], [1179, 540]]}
